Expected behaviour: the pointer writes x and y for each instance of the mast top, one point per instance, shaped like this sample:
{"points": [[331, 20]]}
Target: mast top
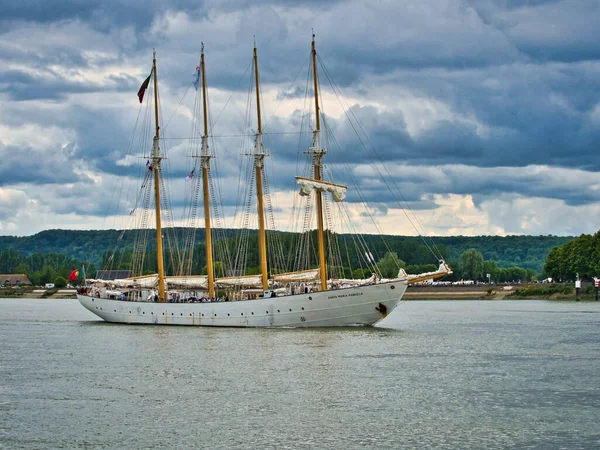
{"points": [[202, 48]]}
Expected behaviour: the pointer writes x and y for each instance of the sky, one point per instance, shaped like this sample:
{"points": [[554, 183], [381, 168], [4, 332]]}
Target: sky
{"points": [[485, 114]]}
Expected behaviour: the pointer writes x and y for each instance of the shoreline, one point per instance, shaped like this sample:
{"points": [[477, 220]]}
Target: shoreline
{"points": [[482, 292]]}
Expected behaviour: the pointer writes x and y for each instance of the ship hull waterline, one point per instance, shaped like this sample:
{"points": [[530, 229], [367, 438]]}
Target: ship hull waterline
{"points": [[362, 305]]}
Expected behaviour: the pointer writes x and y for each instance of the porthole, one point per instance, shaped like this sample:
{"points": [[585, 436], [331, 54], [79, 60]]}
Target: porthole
{"points": [[392, 287], [172, 314], [115, 310], [266, 312], [278, 311], [242, 314], [252, 313], [190, 315], [215, 315], [129, 312], [310, 298], [227, 314], [181, 314], [303, 308], [202, 315], [163, 314], [152, 313], [290, 309], [143, 312]]}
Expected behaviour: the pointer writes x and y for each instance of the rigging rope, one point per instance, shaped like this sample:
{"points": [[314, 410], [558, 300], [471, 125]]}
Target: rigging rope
{"points": [[428, 243]]}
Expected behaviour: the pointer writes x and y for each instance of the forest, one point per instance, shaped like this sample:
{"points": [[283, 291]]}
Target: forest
{"points": [[579, 257], [53, 253], [41, 268]]}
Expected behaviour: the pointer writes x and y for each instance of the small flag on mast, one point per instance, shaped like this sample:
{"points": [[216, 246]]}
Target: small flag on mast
{"points": [[143, 88], [196, 77], [191, 175]]}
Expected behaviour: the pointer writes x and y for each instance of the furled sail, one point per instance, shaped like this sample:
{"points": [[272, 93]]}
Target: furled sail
{"points": [[297, 277], [192, 281], [442, 271], [145, 281], [347, 282], [242, 281], [307, 185]]}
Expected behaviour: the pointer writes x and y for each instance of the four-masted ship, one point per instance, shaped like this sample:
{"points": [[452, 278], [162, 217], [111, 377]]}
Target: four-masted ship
{"points": [[301, 298]]}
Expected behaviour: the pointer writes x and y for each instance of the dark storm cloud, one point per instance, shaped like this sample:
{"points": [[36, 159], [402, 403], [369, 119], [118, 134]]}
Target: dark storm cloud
{"points": [[21, 164], [345, 139], [44, 11], [546, 30], [21, 86], [61, 55], [570, 185], [516, 115], [102, 146], [527, 185], [103, 15], [109, 14], [68, 200]]}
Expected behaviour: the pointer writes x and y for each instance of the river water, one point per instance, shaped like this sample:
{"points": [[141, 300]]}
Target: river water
{"points": [[442, 374]]}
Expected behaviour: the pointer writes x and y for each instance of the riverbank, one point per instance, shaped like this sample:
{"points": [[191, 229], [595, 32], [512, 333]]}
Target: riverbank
{"points": [[473, 292], [497, 292], [28, 292]]}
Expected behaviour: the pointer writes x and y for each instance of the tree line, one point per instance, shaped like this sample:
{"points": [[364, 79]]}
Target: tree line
{"points": [[389, 252], [42, 268], [581, 256], [472, 266], [469, 266], [528, 252]]}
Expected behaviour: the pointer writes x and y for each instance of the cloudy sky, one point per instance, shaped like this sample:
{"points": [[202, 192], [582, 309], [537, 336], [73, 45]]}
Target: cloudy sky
{"points": [[485, 113]]}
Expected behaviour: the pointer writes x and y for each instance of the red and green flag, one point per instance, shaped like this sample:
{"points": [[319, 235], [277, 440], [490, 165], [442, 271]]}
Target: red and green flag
{"points": [[74, 275], [143, 87]]}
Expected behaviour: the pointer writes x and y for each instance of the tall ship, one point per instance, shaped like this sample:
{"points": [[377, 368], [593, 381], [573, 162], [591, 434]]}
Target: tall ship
{"points": [[300, 290]]}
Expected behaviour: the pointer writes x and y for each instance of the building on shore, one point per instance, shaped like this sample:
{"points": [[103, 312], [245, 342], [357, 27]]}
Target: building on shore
{"points": [[14, 279]]}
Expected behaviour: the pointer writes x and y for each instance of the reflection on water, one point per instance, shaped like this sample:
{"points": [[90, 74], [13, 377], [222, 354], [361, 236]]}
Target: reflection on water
{"points": [[465, 374]]}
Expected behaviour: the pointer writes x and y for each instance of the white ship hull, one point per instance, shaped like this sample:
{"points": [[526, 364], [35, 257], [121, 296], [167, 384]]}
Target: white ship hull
{"points": [[362, 305]]}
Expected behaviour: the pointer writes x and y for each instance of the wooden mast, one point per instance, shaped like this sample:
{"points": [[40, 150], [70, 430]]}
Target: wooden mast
{"points": [[318, 154], [259, 157], [205, 161], [156, 168]]}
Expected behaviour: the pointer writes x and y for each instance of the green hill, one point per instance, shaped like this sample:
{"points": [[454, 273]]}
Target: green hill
{"points": [[529, 252]]}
